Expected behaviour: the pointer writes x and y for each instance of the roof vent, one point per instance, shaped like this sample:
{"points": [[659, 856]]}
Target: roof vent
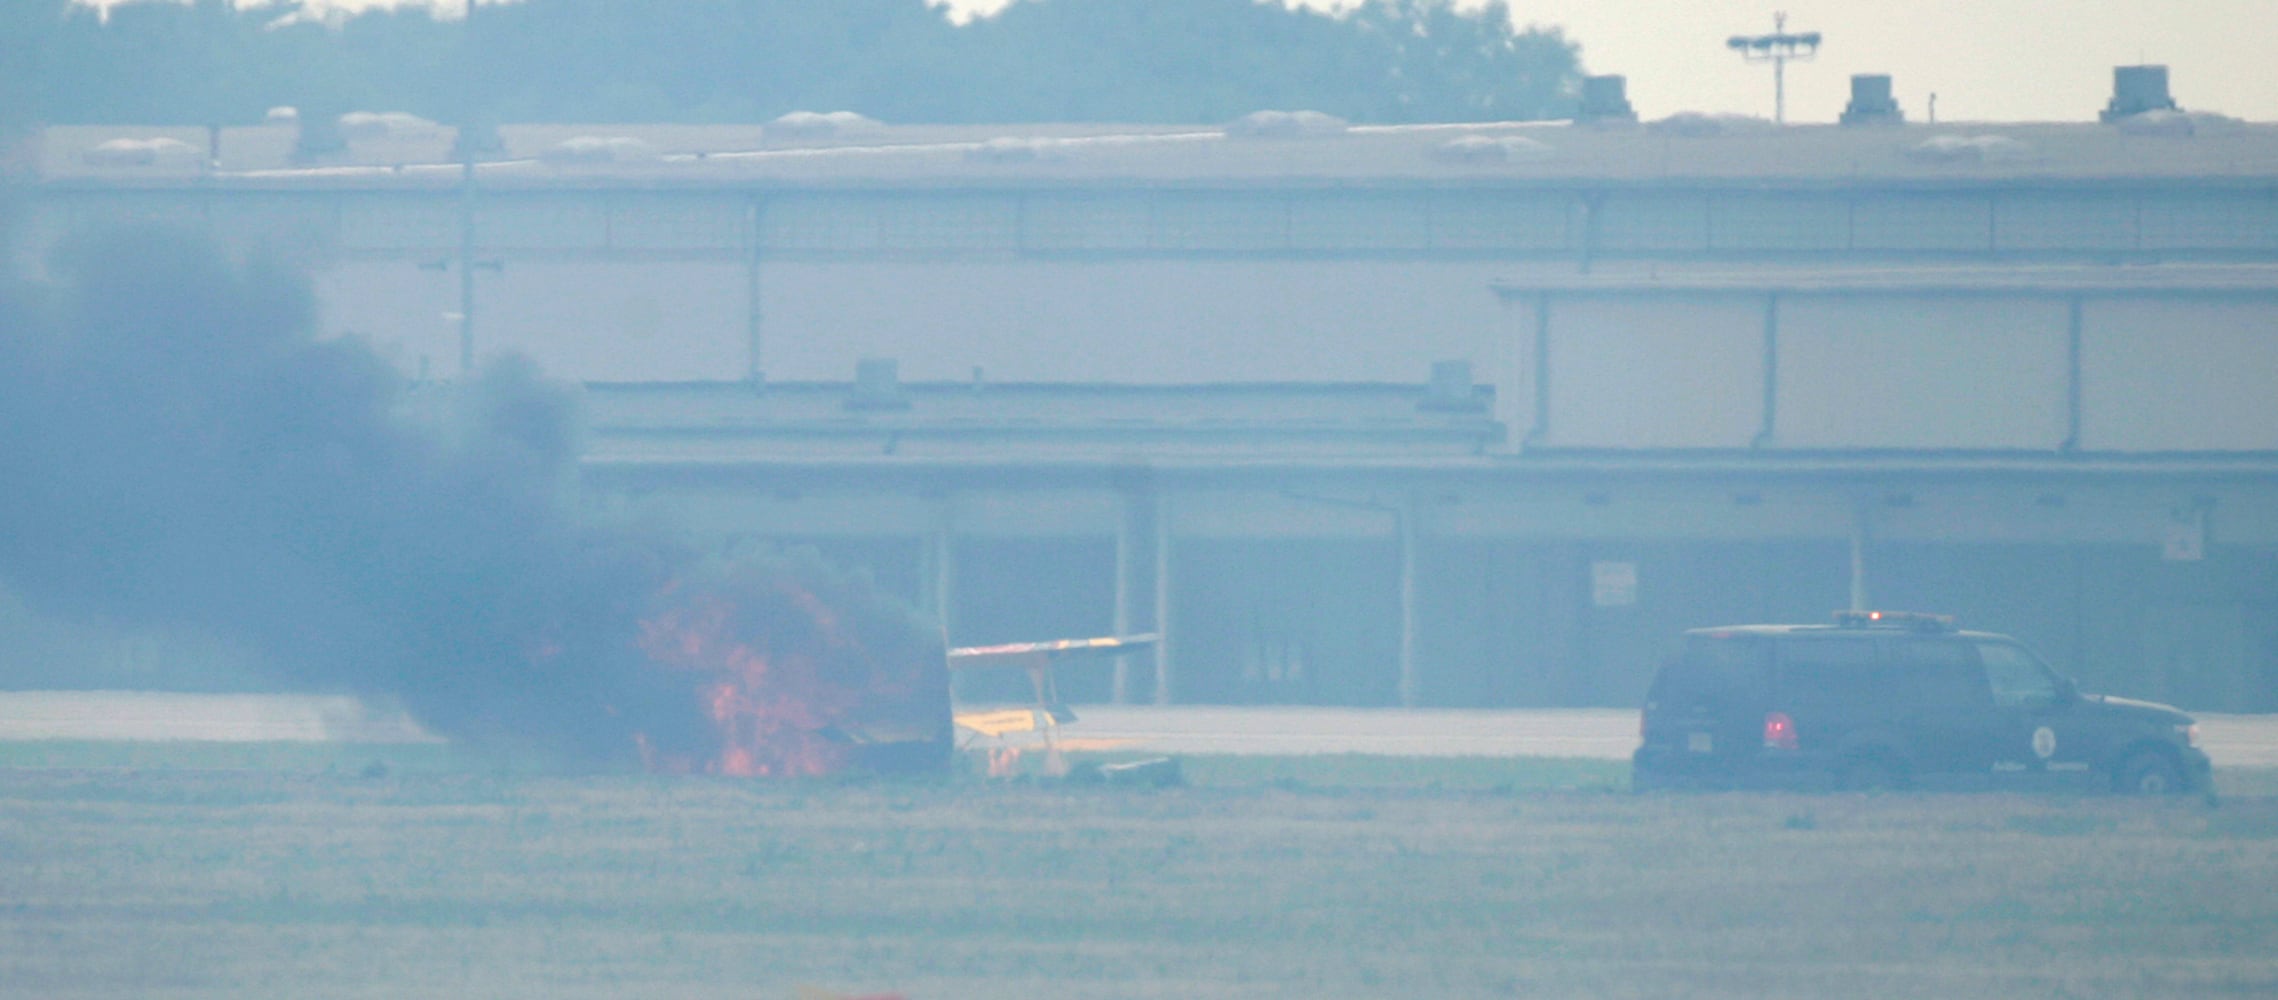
{"points": [[599, 149], [1451, 389], [283, 114], [1493, 149], [1605, 99], [877, 386], [818, 125], [2135, 90], [1285, 125], [158, 152], [1871, 103], [1970, 149]]}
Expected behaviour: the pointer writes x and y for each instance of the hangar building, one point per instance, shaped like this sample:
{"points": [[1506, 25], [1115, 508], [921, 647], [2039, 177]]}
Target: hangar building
{"points": [[1468, 415]]}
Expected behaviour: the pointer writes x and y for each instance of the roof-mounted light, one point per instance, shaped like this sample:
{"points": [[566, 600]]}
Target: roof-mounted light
{"points": [[1912, 621]]}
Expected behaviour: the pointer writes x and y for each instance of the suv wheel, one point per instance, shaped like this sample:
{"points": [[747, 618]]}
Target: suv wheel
{"points": [[1871, 774], [2148, 773]]}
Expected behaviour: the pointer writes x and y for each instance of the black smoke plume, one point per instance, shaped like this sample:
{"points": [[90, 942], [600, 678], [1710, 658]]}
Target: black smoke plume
{"points": [[178, 449]]}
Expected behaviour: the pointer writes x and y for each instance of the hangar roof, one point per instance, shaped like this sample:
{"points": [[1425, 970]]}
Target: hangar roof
{"points": [[2167, 279], [2155, 147]]}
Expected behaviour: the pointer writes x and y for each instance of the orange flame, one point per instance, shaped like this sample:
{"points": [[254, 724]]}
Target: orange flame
{"points": [[774, 711]]}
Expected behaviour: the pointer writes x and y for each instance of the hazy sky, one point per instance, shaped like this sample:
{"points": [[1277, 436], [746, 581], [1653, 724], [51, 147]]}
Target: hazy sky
{"points": [[1997, 60]]}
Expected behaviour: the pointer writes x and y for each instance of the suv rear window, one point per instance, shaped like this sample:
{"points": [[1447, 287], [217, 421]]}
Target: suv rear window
{"points": [[1727, 670]]}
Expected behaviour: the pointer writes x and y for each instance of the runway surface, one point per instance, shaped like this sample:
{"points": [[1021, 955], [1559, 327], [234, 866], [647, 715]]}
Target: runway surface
{"points": [[1606, 734]]}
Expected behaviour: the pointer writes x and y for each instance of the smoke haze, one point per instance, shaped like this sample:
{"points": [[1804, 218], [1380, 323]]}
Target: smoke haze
{"points": [[179, 451]]}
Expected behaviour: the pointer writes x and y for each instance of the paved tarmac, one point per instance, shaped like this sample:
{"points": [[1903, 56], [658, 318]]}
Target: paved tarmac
{"points": [[1607, 734]]}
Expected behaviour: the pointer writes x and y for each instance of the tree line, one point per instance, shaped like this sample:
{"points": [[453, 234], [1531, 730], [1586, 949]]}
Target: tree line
{"points": [[208, 62]]}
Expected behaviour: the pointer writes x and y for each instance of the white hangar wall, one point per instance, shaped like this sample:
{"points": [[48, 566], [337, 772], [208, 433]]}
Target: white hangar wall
{"points": [[1147, 321], [1971, 372], [1934, 368], [1644, 373], [1270, 284], [2179, 375]]}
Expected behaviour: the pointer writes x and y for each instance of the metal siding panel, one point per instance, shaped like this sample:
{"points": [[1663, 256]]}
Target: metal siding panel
{"points": [[598, 320], [94, 212], [1142, 321], [821, 223], [1927, 222], [2231, 220], [920, 223], [679, 222], [1660, 373], [1779, 222], [2179, 375], [1346, 222], [1881, 371], [412, 222], [2065, 221], [1223, 222], [1085, 222], [1502, 222], [1653, 222], [406, 312], [295, 223], [541, 222]]}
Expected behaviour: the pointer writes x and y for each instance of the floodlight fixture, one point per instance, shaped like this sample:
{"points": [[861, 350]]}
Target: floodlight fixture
{"points": [[1777, 48]]}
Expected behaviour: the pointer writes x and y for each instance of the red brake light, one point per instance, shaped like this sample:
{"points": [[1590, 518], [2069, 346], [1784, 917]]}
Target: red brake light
{"points": [[1779, 731]]}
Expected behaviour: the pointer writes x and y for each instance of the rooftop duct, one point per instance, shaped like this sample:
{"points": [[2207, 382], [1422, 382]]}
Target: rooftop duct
{"points": [[1605, 99], [877, 386], [1451, 389], [2135, 90], [1871, 103]]}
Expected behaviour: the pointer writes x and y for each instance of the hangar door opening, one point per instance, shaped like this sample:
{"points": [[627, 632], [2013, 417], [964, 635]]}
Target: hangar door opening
{"points": [[1287, 621]]}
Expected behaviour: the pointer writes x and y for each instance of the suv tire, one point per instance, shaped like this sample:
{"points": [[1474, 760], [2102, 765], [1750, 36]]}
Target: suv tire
{"points": [[2148, 772]]}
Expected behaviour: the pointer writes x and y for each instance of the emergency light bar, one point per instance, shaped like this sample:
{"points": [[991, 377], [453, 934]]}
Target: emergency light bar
{"points": [[1912, 621]]}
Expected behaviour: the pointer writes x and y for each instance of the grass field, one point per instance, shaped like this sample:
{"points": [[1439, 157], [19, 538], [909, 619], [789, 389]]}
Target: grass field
{"points": [[310, 872]]}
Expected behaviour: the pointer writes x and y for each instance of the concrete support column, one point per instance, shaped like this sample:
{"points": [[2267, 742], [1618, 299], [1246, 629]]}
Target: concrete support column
{"points": [[755, 362], [940, 569], [1126, 588], [1165, 620], [1405, 517], [1861, 536]]}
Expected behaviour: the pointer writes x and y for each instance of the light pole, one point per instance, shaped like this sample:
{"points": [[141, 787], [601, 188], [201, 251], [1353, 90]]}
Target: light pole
{"points": [[477, 136], [1777, 48]]}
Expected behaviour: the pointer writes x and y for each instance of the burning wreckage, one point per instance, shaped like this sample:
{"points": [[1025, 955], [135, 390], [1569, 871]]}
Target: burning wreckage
{"points": [[205, 462], [796, 685]]}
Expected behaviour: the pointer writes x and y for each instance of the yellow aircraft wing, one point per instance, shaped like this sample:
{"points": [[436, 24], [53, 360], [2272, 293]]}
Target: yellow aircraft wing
{"points": [[1022, 654], [998, 722], [1046, 715]]}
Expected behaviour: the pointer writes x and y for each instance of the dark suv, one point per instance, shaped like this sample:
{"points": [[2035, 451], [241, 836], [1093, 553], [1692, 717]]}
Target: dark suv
{"points": [[1888, 700]]}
